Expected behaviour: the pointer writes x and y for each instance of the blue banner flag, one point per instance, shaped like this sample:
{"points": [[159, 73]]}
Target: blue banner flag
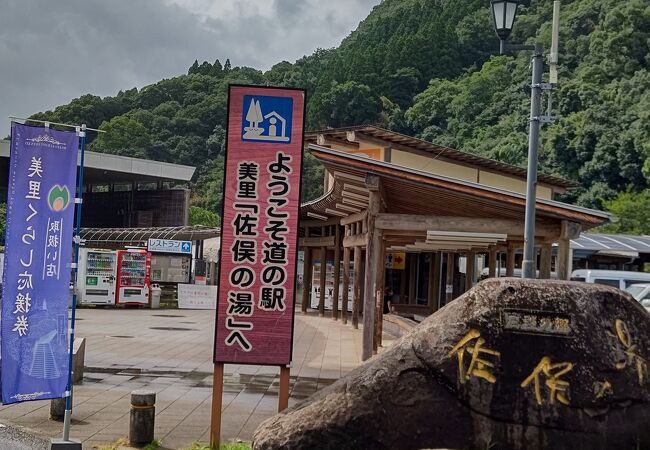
{"points": [[38, 250]]}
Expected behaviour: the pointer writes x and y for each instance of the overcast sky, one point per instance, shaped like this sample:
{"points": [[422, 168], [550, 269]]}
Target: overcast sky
{"points": [[54, 51]]}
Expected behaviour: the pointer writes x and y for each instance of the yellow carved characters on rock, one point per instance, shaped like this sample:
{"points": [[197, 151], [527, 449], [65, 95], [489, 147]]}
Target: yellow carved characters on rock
{"points": [[557, 388], [626, 345], [479, 366]]}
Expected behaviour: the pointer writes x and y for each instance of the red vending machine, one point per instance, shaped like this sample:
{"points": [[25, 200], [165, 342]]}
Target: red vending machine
{"points": [[133, 269]]}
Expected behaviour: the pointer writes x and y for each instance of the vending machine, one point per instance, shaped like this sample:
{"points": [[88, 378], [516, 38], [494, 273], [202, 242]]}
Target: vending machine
{"points": [[97, 280], [133, 269]]}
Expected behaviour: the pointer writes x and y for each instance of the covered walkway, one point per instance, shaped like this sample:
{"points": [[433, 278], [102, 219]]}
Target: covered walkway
{"points": [[442, 225]]}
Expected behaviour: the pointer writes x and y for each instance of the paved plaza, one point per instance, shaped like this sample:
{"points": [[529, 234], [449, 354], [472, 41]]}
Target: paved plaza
{"points": [[170, 352]]}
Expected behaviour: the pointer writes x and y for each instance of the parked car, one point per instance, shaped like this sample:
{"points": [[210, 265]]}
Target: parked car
{"points": [[641, 292], [616, 278]]}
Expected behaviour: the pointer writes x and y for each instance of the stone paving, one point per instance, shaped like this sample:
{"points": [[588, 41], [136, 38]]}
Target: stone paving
{"points": [[170, 351]]}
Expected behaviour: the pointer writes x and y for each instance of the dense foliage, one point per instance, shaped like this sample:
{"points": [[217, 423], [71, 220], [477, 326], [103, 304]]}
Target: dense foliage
{"points": [[428, 68]]}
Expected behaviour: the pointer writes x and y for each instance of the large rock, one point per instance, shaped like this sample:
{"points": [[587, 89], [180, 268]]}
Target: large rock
{"points": [[512, 364]]}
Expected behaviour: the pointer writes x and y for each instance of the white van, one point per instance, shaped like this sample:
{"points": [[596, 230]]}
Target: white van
{"points": [[641, 292], [615, 278]]}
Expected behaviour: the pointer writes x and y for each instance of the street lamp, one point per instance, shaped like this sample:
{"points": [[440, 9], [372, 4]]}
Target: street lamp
{"points": [[504, 13]]}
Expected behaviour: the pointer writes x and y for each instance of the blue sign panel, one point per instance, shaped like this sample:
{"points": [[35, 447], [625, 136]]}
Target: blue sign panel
{"points": [[38, 250], [267, 119], [169, 246]]}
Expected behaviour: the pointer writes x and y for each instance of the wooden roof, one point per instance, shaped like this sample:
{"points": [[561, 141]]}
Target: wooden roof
{"points": [[443, 153], [409, 191]]}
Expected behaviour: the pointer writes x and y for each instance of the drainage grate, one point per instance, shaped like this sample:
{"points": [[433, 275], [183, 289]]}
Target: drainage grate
{"points": [[167, 315], [122, 337], [173, 329]]}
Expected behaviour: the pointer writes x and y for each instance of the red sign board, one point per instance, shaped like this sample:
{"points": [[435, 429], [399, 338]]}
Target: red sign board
{"points": [[259, 232]]}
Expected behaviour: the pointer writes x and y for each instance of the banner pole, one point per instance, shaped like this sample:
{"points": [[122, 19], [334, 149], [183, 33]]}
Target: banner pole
{"points": [[75, 270]]}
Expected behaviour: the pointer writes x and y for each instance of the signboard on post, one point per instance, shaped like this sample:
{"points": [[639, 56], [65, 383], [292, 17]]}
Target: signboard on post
{"points": [[259, 241], [169, 246], [38, 250], [196, 296]]}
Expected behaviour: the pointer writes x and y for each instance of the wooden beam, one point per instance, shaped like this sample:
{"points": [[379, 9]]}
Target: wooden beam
{"points": [[325, 241], [563, 262], [336, 212], [360, 240], [349, 201], [354, 195], [337, 273], [422, 235], [372, 263], [351, 209], [450, 223], [356, 292], [354, 218], [317, 216], [355, 187]]}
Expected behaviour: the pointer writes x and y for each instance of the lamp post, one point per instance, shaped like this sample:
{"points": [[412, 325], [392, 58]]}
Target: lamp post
{"points": [[504, 13]]}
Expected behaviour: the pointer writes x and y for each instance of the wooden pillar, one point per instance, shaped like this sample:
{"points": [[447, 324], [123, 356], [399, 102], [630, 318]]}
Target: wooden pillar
{"points": [[449, 283], [563, 255], [403, 281], [337, 272], [510, 260], [380, 275], [469, 269], [372, 264], [356, 292], [568, 231], [434, 282], [492, 262], [323, 278], [346, 280], [545, 261], [413, 270], [306, 278]]}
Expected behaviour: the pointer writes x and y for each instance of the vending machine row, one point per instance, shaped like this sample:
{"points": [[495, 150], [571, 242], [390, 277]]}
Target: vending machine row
{"points": [[119, 277]]}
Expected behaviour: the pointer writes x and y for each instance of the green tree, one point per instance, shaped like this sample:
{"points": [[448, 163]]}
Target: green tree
{"points": [[202, 216], [631, 211], [348, 103], [123, 136]]}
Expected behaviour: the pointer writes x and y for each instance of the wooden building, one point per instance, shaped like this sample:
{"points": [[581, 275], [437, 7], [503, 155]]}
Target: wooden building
{"points": [[441, 208]]}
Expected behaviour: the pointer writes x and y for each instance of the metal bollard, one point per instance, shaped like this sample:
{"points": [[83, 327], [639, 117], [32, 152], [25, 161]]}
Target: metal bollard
{"points": [[143, 415]]}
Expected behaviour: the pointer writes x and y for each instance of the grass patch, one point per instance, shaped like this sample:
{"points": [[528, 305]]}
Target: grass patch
{"points": [[154, 445]]}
